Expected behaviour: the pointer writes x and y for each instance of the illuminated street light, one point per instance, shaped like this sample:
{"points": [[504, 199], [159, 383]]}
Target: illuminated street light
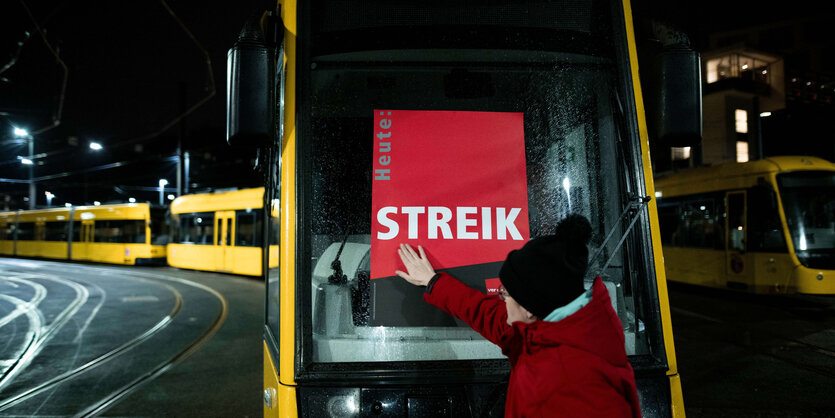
{"points": [[170, 197], [68, 205], [24, 134], [20, 133], [95, 146], [162, 183], [131, 200], [49, 197], [96, 203], [765, 114]]}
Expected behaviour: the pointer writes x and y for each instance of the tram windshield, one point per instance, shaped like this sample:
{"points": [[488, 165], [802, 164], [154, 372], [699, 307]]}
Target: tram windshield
{"points": [[566, 85], [809, 202]]}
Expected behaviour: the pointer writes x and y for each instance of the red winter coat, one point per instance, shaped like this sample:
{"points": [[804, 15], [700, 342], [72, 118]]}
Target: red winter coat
{"points": [[575, 367]]}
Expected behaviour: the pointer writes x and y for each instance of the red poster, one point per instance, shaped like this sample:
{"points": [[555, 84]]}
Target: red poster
{"points": [[453, 182]]}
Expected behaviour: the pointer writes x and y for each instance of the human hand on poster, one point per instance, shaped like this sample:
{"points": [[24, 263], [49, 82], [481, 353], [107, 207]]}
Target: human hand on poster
{"points": [[420, 270]]}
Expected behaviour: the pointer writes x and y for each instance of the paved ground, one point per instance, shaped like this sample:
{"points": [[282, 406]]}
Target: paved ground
{"points": [[121, 341], [754, 356]]}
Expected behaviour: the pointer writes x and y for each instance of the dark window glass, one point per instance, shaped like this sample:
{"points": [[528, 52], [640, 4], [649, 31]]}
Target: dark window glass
{"points": [[765, 231], [692, 221], [25, 231], [76, 231], [56, 231], [275, 231], [118, 231], [809, 203], [159, 227], [736, 221], [248, 228], [668, 218], [195, 228]]}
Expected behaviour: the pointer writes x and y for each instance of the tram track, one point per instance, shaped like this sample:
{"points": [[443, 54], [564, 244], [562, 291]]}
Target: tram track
{"points": [[161, 368], [113, 397], [42, 334]]}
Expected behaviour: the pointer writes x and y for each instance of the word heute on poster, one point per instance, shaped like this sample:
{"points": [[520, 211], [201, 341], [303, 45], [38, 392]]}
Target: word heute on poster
{"points": [[453, 182]]}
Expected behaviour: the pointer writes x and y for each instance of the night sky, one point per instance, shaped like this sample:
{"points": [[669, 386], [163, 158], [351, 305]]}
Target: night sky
{"points": [[132, 70]]}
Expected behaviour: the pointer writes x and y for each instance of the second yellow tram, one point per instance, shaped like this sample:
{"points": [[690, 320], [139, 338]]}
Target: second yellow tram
{"points": [[220, 231], [765, 226]]}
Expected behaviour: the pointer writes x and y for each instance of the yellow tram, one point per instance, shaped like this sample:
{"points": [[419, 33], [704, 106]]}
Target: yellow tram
{"points": [[219, 231], [130, 234], [324, 87], [765, 226]]}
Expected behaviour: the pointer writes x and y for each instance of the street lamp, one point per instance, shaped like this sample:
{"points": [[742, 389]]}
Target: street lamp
{"points": [[132, 200], [95, 146], [49, 197], [23, 133], [162, 183]]}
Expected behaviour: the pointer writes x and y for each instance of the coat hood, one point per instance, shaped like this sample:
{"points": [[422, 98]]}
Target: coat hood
{"points": [[595, 328]]}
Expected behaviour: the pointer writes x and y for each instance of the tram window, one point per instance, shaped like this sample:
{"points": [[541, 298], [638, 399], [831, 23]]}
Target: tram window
{"points": [[76, 231], [196, 228], [668, 218], [159, 227], [56, 231], [765, 231], [25, 231], [694, 221], [120, 231], [699, 224], [569, 133], [809, 202], [736, 221], [248, 228], [275, 230]]}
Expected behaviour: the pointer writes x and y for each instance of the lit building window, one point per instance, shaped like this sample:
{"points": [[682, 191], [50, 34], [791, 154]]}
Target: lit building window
{"points": [[741, 151], [741, 117], [736, 66], [680, 153]]}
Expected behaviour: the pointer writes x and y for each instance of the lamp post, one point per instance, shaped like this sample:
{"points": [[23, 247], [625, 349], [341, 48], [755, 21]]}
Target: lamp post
{"points": [[162, 183], [24, 134]]}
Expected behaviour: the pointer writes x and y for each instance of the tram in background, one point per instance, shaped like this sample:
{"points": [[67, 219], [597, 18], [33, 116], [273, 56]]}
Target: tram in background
{"points": [[133, 233], [765, 226], [306, 86], [220, 231]]}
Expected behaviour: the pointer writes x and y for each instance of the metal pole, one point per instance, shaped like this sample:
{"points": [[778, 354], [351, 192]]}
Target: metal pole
{"points": [[32, 196]]}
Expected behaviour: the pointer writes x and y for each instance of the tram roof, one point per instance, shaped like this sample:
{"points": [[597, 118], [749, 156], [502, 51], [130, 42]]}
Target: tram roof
{"points": [[733, 175], [226, 200]]}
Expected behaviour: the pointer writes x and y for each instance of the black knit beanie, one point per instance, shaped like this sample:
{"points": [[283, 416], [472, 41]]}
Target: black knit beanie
{"points": [[547, 272]]}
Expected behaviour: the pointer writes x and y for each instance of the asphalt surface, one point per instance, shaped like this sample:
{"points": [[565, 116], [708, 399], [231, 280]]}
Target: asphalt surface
{"points": [[745, 355], [80, 339]]}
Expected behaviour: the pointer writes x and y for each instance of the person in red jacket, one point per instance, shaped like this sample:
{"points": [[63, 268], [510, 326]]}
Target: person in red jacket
{"points": [[565, 344]]}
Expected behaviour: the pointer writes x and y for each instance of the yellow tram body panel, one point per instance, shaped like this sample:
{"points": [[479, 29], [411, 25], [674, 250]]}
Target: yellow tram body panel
{"points": [[88, 249], [726, 266], [7, 220], [219, 251], [37, 244], [677, 398]]}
